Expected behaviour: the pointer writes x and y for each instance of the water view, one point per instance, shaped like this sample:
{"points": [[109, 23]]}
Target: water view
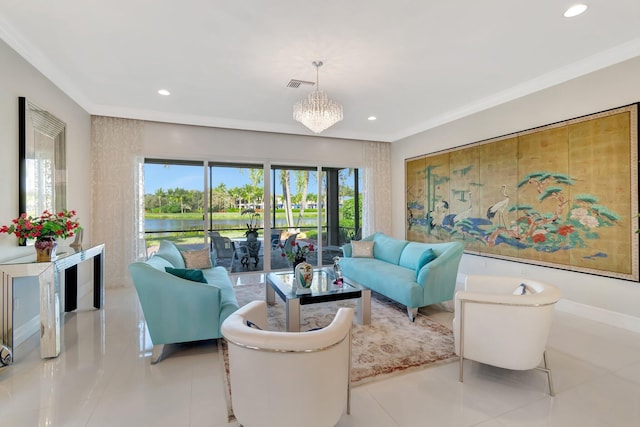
{"points": [[160, 225]]}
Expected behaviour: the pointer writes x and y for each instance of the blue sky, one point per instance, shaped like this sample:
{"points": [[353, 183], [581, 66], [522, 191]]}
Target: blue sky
{"points": [[187, 177], [191, 178]]}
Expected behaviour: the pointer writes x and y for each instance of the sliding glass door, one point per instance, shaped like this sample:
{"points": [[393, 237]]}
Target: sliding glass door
{"points": [[174, 202], [295, 212], [311, 206], [236, 220]]}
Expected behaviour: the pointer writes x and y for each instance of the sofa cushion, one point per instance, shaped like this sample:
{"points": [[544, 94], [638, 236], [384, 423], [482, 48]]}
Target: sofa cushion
{"points": [[171, 253], [347, 250], [362, 249], [426, 257], [387, 248], [192, 274], [158, 263], [200, 258], [412, 255]]}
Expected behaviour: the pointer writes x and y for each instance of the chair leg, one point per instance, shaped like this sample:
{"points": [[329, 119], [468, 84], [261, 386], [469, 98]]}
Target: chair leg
{"points": [[349, 378], [412, 312], [461, 340], [546, 369], [156, 354]]}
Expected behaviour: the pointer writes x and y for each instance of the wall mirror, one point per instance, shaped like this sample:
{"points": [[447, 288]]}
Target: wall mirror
{"points": [[42, 155]]}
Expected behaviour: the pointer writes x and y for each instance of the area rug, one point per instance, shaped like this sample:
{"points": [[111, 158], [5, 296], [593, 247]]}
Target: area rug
{"points": [[391, 344]]}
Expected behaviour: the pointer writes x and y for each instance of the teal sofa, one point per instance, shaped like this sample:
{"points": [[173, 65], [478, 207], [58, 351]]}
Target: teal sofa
{"points": [[179, 310], [396, 270]]}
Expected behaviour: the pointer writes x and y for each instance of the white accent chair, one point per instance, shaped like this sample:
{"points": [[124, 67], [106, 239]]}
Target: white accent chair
{"points": [[496, 324], [288, 378]]}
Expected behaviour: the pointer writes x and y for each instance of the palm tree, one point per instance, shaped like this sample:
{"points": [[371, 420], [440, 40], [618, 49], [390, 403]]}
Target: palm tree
{"points": [[160, 194], [302, 182], [286, 191]]}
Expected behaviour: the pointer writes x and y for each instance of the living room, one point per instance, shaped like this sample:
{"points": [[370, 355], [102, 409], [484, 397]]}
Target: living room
{"points": [[591, 304]]}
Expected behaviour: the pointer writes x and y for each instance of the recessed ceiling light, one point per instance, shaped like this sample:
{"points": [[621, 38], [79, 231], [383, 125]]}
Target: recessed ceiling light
{"points": [[575, 10], [164, 92], [371, 118]]}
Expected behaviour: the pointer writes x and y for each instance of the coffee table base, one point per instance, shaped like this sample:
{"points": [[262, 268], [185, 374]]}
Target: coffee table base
{"points": [[292, 308]]}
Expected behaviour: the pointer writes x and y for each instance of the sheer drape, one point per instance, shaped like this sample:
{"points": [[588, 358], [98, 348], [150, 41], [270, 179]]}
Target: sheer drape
{"points": [[376, 209], [117, 189]]}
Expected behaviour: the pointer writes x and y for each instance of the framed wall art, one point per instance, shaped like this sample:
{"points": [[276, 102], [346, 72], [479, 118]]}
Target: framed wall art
{"points": [[563, 195]]}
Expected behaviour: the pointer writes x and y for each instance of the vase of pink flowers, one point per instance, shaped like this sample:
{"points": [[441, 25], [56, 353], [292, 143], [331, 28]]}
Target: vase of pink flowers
{"points": [[298, 253]]}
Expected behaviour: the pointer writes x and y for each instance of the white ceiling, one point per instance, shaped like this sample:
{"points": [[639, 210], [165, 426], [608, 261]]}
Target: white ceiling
{"points": [[413, 64]]}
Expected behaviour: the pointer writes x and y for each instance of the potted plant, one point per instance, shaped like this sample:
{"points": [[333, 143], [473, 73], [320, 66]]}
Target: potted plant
{"points": [[252, 226], [45, 229]]}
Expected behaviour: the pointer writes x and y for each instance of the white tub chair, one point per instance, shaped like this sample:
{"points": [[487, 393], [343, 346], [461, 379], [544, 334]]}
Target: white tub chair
{"points": [[288, 378], [497, 324]]}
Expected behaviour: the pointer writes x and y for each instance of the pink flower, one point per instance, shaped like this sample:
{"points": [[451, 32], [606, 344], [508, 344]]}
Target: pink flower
{"points": [[60, 225]]}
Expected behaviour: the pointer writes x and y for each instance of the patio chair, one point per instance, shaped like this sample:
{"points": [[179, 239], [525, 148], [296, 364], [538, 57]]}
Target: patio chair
{"points": [[275, 238], [287, 246], [245, 251], [223, 246]]}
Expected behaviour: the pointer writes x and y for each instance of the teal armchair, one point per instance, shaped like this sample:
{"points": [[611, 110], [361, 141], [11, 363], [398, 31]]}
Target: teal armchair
{"points": [[179, 310]]}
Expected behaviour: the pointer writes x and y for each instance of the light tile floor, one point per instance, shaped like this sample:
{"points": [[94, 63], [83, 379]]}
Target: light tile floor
{"points": [[103, 378]]}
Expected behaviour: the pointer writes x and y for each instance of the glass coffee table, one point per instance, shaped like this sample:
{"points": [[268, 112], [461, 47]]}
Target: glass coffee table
{"points": [[322, 290]]}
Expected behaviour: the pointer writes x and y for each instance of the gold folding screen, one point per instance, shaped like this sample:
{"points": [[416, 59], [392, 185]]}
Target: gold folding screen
{"points": [[563, 195]]}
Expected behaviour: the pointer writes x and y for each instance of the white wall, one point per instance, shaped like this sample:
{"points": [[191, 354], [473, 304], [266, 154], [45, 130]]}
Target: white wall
{"points": [[164, 140], [19, 78], [608, 88]]}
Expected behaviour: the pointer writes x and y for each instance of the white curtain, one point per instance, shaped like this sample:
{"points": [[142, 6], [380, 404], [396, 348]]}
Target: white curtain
{"points": [[376, 209], [118, 199]]}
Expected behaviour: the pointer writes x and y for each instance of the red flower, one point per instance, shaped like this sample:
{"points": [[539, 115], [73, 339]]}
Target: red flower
{"points": [[298, 251], [538, 238], [565, 230], [60, 225]]}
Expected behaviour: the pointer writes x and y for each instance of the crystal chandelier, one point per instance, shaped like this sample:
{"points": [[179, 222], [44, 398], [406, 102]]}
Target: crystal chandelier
{"points": [[317, 112]]}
